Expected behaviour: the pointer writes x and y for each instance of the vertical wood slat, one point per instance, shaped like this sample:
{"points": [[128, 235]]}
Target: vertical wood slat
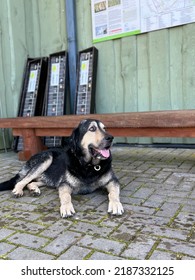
{"points": [[143, 80], [159, 72]]}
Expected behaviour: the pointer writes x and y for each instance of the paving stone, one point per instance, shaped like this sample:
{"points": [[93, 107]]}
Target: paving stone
{"points": [[140, 209], [162, 175], [27, 226], [143, 193], [175, 194], [4, 195], [161, 255], [6, 204], [185, 186], [21, 253], [140, 247], [165, 232], [4, 233], [138, 219], [153, 170], [155, 200], [177, 200], [62, 242], [192, 195], [187, 258], [97, 200], [189, 206], [48, 219], [168, 209], [18, 205], [58, 227], [178, 246], [174, 178], [46, 198], [102, 256], [75, 253], [184, 220], [95, 230], [101, 244], [126, 232], [112, 221], [133, 186], [28, 240], [26, 215], [131, 200], [5, 248], [92, 214], [5, 222]]}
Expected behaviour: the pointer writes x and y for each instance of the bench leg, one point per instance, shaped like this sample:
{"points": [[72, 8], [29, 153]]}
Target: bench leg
{"points": [[32, 143]]}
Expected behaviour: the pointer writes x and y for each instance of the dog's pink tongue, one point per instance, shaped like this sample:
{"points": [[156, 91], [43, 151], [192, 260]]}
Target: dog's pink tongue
{"points": [[105, 153]]}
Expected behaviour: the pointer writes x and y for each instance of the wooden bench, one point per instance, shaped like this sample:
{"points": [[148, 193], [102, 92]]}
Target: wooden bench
{"points": [[180, 123]]}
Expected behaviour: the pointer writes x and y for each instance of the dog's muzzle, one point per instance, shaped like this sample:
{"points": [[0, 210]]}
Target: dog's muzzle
{"points": [[103, 151]]}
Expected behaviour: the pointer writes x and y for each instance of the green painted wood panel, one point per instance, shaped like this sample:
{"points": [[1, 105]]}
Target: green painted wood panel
{"points": [[151, 71], [27, 28]]}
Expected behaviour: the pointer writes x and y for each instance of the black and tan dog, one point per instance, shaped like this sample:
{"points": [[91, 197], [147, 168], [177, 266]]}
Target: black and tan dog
{"points": [[83, 166]]}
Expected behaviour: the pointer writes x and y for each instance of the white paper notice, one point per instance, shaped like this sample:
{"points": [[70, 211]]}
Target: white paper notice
{"points": [[112, 19], [158, 14], [32, 80], [84, 72], [55, 74]]}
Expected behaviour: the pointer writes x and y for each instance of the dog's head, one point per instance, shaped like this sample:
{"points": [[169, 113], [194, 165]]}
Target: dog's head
{"points": [[91, 141]]}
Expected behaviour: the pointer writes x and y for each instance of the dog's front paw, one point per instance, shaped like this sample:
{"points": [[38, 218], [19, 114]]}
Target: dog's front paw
{"points": [[34, 190], [17, 192], [115, 208], [67, 210]]}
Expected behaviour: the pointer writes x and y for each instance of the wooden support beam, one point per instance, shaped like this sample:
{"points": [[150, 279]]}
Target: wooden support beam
{"points": [[32, 143]]}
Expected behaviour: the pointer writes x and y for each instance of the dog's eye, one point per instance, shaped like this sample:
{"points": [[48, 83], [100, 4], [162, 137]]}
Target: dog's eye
{"points": [[92, 128]]}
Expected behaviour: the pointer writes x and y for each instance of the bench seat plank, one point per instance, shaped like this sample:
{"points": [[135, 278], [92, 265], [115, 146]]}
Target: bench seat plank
{"points": [[120, 132]]}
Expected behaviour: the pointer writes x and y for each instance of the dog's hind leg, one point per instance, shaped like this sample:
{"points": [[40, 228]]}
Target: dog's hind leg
{"points": [[66, 208], [34, 188], [34, 173]]}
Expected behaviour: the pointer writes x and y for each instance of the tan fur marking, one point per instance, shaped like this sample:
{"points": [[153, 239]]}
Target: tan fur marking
{"points": [[114, 207], [90, 137], [72, 180], [18, 189], [34, 187], [102, 126], [105, 179], [66, 208]]}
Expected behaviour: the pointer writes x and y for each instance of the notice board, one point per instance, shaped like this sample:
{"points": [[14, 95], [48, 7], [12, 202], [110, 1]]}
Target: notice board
{"points": [[113, 19]]}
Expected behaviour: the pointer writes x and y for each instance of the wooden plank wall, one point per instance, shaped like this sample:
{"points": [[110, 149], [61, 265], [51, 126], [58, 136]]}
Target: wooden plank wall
{"points": [[27, 28], [152, 71]]}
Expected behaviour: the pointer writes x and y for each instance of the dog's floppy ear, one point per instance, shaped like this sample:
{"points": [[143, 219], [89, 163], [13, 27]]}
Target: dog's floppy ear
{"points": [[83, 121], [74, 140]]}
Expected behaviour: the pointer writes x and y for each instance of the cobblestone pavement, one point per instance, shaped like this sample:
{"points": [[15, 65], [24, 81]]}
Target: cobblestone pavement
{"points": [[158, 194]]}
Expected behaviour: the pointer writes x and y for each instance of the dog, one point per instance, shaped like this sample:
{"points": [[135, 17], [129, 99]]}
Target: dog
{"points": [[82, 166]]}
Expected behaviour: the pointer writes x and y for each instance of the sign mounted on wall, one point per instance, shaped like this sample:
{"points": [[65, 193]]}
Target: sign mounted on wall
{"points": [[112, 19]]}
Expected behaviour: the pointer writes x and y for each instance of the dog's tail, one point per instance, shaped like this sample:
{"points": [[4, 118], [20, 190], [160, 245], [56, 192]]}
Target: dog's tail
{"points": [[9, 185]]}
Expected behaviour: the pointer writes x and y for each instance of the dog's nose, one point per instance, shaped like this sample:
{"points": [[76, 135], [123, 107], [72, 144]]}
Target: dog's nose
{"points": [[109, 137]]}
